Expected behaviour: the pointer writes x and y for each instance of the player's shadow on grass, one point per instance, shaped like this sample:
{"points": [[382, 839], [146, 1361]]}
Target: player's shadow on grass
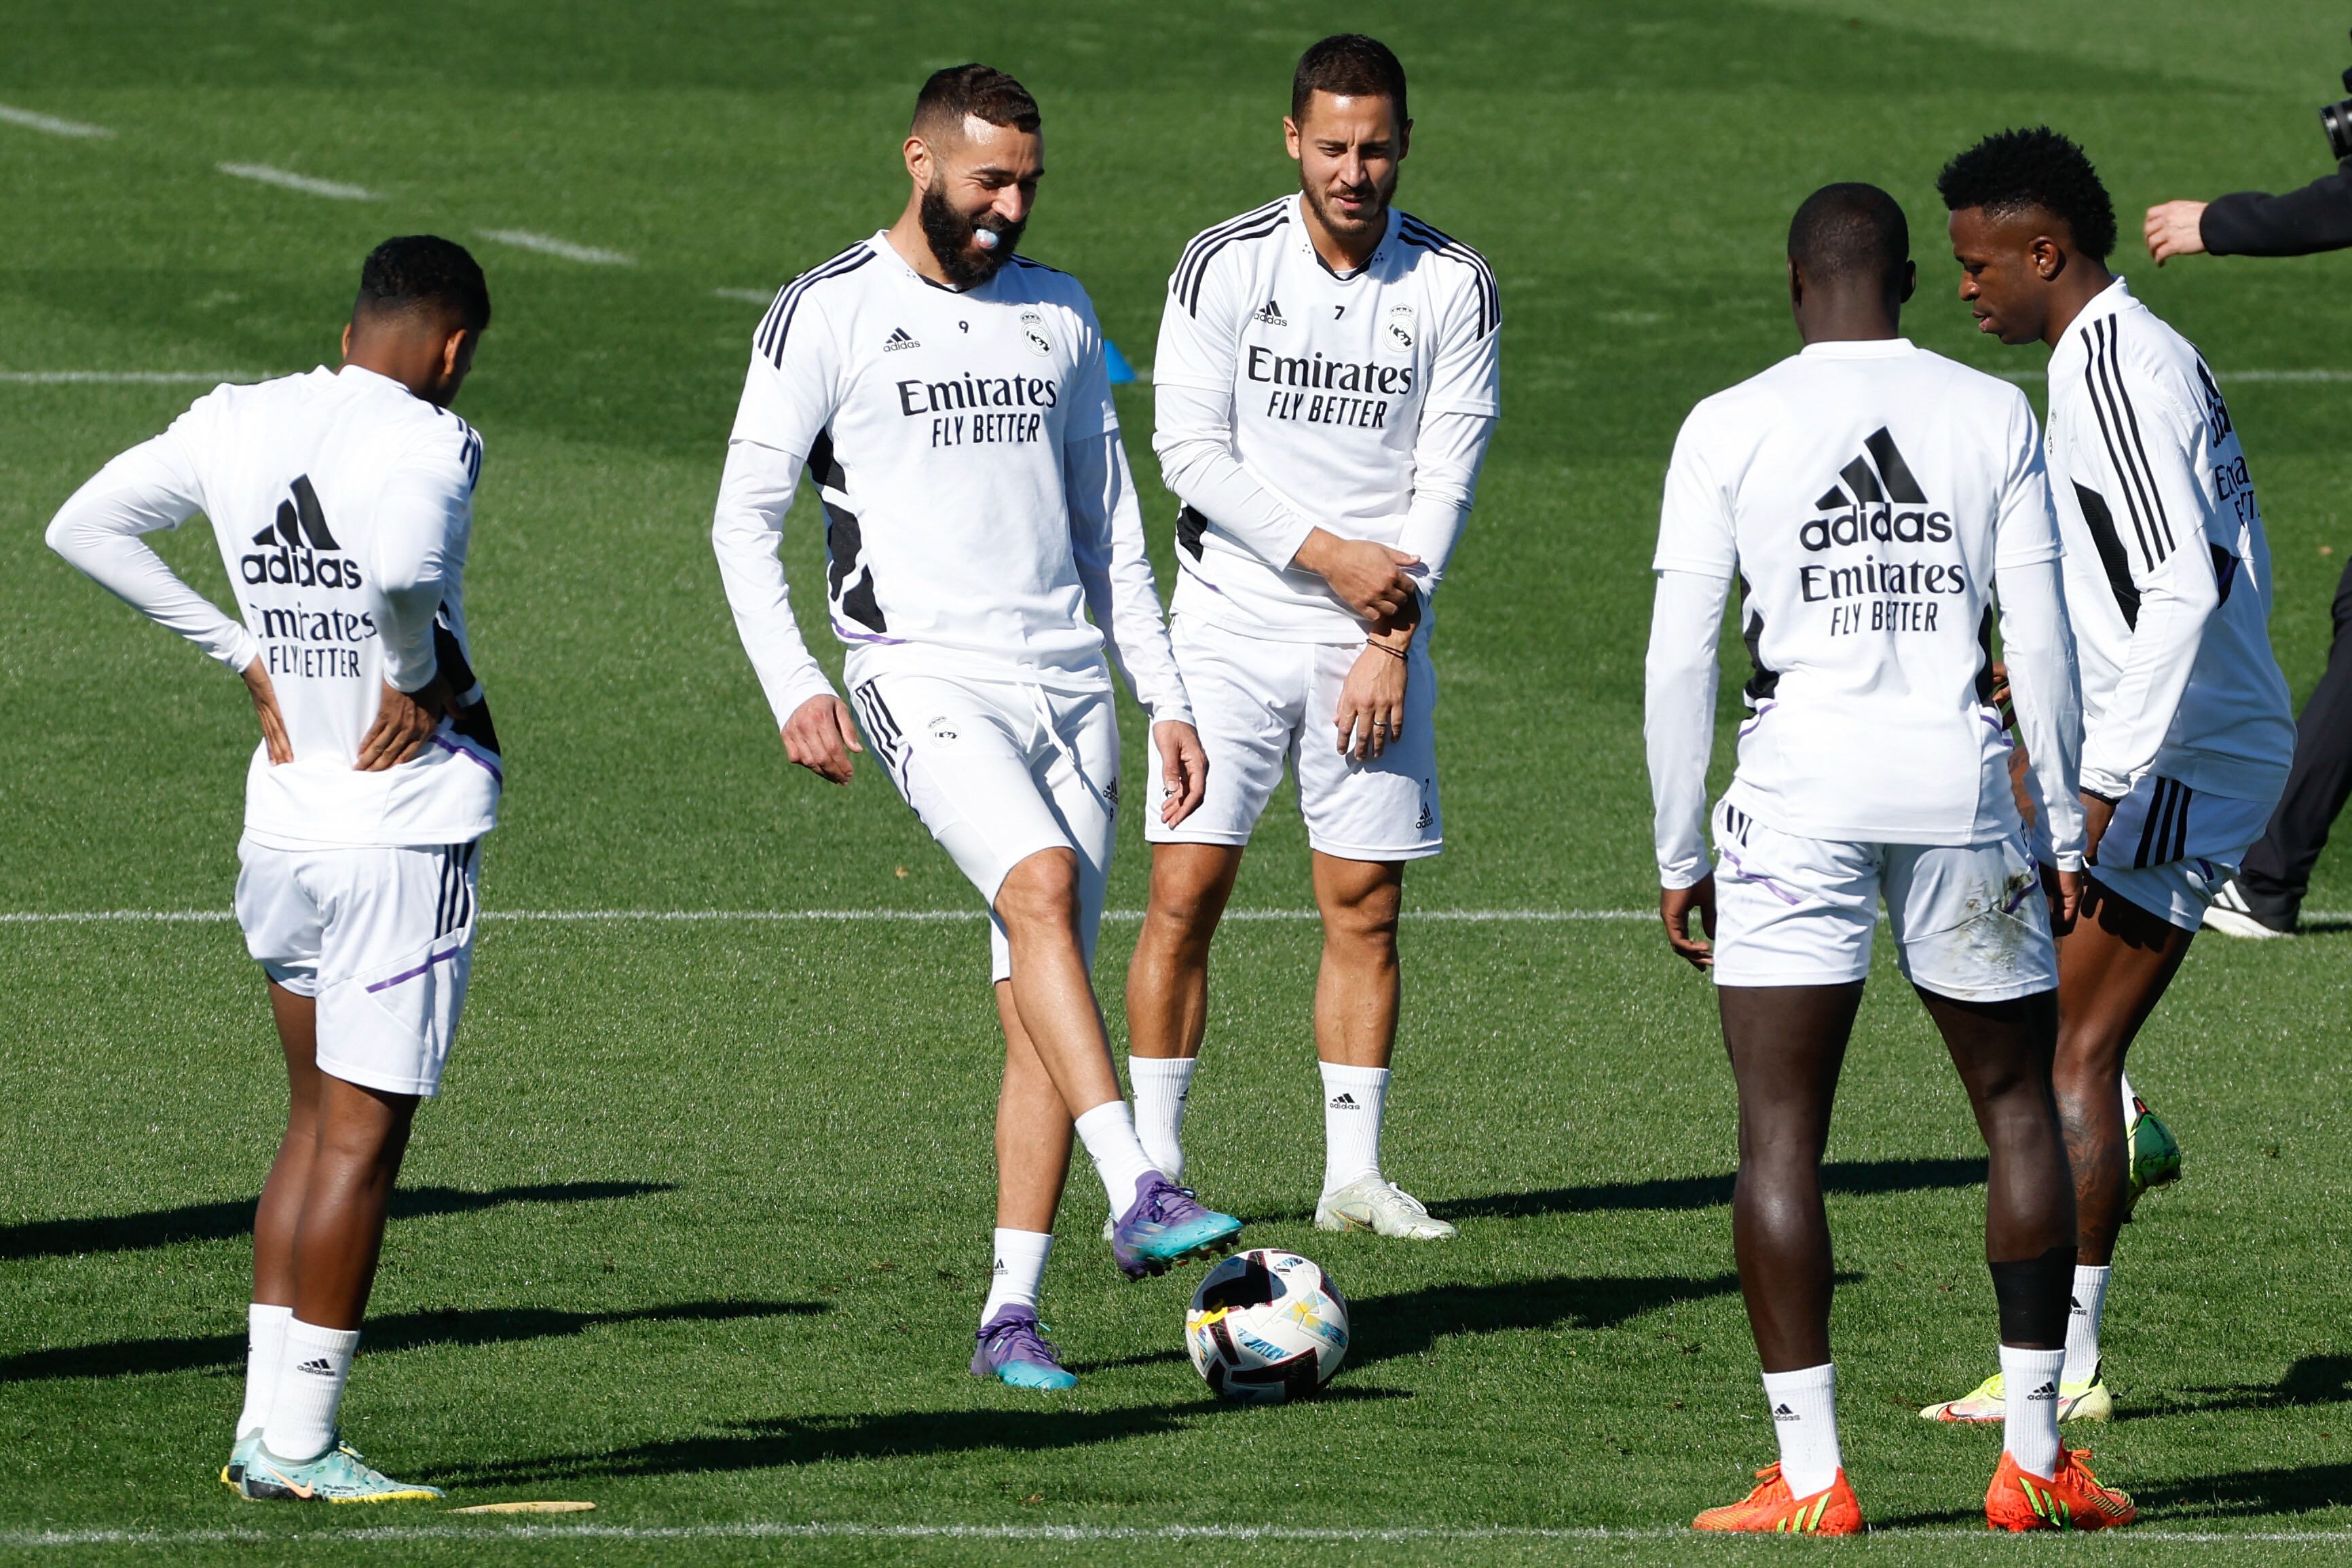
{"points": [[398, 1331], [1413, 1321], [787, 1441], [1850, 1178], [2234, 1494], [227, 1220], [2312, 1380]]}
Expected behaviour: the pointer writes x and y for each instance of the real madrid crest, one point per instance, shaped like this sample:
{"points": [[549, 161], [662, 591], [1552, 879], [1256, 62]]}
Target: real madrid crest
{"points": [[1033, 328], [1397, 332]]}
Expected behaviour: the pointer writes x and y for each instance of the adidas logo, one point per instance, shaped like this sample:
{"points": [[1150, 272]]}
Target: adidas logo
{"points": [[1869, 500], [321, 1367], [1343, 1100], [1000, 1267], [1782, 1413], [2073, 1303], [1270, 313], [298, 550], [2047, 1391], [899, 338]]}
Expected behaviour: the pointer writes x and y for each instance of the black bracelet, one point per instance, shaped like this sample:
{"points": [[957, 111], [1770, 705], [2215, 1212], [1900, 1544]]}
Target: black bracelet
{"points": [[1391, 652]]}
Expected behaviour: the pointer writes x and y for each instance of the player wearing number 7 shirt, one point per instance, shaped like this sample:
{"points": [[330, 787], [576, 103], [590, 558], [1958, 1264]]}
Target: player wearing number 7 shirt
{"points": [[951, 401], [1326, 385]]}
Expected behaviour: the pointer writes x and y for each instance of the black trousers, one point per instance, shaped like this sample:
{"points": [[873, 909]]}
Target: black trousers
{"points": [[2277, 872]]}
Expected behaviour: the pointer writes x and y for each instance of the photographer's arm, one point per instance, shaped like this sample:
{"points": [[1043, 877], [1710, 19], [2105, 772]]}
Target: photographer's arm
{"points": [[2254, 223]]}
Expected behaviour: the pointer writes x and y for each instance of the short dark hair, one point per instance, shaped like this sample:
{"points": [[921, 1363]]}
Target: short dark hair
{"points": [[1348, 65], [2016, 171], [975, 89], [423, 271], [1850, 230]]}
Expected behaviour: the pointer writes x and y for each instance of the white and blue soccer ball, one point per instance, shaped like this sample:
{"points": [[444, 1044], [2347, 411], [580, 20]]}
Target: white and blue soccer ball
{"points": [[1267, 1326]]}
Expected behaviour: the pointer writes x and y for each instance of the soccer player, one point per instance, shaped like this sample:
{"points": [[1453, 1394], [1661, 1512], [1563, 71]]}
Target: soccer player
{"points": [[342, 502], [949, 401], [2188, 731], [1874, 503], [1325, 387]]}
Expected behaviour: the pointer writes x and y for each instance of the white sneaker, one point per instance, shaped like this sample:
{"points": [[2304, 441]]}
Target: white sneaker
{"points": [[1382, 1207], [2230, 914]]}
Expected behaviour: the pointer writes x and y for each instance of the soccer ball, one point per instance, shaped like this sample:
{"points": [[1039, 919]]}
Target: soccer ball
{"points": [[1265, 1327]]}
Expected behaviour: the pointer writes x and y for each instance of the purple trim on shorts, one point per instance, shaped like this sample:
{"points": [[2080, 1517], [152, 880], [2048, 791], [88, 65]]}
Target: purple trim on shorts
{"points": [[1749, 728], [476, 758], [410, 975], [2017, 900], [1767, 883]]}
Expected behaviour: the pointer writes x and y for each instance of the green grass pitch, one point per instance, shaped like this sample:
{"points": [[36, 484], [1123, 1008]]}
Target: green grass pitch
{"points": [[697, 1232]]}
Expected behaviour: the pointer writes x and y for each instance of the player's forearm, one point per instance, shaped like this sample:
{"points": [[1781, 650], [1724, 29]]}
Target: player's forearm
{"points": [[1679, 678], [1106, 533], [754, 493], [1192, 434], [1447, 459], [97, 530], [2175, 605], [2039, 649]]}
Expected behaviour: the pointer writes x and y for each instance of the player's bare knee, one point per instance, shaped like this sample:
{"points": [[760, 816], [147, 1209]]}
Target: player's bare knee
{"points": [[1040, 896]]}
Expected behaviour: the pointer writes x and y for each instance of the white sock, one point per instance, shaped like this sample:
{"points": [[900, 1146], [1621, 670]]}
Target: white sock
{"points": [[2031, 1433], [1161, 1086], [2129, 1097], [264, 1342], [2082, 1324], [1353, 1098], [1804, 1416], [1108, 1133], [311, 1372], [1020, 1265]]}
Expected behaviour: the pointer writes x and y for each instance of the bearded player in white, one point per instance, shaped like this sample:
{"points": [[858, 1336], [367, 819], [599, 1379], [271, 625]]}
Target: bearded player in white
{"points": [[342, 502], [1326, 385], [950, 402]]}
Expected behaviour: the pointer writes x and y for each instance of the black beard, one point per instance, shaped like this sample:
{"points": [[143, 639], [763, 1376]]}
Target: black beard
{"points": [[949, 233]]}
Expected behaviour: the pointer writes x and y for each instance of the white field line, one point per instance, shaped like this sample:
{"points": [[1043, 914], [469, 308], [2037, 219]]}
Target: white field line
{"points": [[749, 296], [548, 245], [761, 1530], [818, 917], [49, 125], [286, 180], [125, 377]]}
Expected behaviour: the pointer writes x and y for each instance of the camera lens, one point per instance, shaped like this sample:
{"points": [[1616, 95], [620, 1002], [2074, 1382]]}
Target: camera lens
{"points": [[2336, 118]]}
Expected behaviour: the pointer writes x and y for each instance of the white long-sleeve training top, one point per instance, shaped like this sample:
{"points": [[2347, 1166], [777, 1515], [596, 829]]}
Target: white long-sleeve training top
{"points": [[2167, 568], [342, 505], [1869, 497], [977, 499], [1288, 397]]}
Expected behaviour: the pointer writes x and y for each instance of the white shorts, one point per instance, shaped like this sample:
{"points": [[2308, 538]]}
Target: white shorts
{"points": [[2169, 849], [998, 771], [1970, 922], [382, 938], [1259, 703]]}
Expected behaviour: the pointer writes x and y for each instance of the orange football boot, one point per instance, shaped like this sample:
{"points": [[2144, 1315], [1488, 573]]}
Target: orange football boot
{"points": [[1770, 1510], [2071, 1499]]}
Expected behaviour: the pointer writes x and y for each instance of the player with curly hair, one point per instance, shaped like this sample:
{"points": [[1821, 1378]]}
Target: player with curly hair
{"points": [[2188, 730]]}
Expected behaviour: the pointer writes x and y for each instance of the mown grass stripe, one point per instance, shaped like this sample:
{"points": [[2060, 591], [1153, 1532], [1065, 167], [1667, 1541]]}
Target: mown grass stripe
{"points": [[762, 1530]]}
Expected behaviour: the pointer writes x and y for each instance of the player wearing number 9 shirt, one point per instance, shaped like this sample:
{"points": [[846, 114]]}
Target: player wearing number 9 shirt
{"points": [[949, 400]]}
